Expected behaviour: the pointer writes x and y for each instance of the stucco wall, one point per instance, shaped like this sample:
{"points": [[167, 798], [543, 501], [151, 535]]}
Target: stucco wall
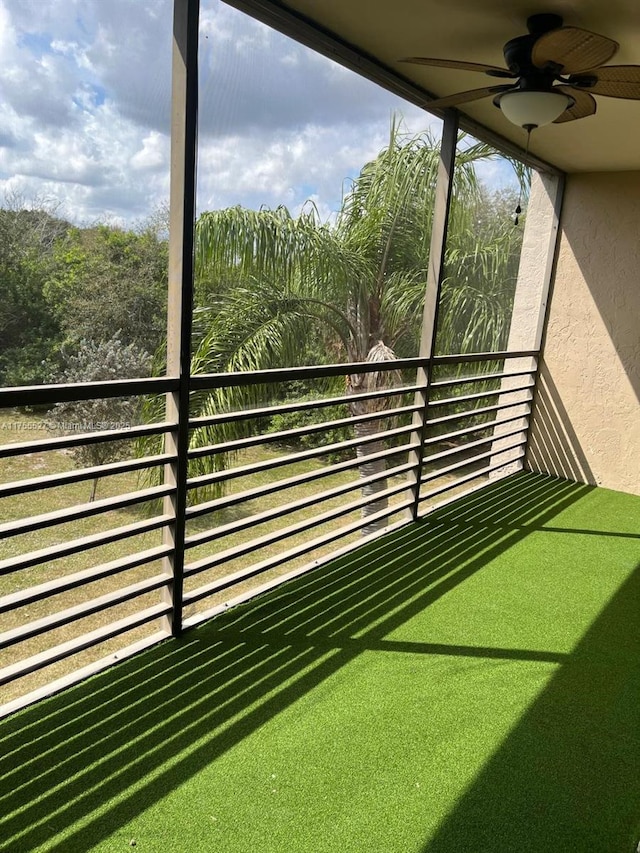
{"points": [[586, 423]]}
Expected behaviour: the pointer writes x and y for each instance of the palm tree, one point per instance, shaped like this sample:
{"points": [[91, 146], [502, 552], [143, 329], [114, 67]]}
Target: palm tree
{"points": [[481, 269], [266, 278]]}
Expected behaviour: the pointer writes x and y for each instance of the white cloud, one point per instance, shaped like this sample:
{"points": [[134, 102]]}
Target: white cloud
{"points": [[154, 153], [69, 133], [85, 110], [288, 168]]}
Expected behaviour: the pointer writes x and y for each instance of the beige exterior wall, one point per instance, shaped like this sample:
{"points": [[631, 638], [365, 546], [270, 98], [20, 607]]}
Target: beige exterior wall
{"points": [[586, 423]]}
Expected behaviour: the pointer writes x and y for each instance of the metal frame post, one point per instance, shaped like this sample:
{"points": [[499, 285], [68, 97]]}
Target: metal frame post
{"points": [[435, 273], [182, 205]]}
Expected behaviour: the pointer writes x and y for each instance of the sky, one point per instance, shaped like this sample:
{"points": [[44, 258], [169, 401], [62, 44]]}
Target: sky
{"points": [[85, 107]]}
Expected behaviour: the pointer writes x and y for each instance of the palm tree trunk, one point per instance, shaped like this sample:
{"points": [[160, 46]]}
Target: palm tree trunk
{"points": [[359, 383], [368, 468]]}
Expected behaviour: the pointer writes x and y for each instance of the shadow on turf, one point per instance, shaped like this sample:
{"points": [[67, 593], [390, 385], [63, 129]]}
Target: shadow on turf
{"points": [[567, 778], [103, 752]]}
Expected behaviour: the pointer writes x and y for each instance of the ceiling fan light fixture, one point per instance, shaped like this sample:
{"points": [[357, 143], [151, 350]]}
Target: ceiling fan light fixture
{"points": [[529, 108]]}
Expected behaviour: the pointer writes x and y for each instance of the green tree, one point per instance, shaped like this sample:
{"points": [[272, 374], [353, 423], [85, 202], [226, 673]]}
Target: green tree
{"points": [[29, 332], [61, 284], [358, 285], [481, 271], [107, 278], [100, 361]]}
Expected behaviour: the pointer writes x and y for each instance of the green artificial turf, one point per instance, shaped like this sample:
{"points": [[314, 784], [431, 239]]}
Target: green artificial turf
{"points": [[470, 682]]}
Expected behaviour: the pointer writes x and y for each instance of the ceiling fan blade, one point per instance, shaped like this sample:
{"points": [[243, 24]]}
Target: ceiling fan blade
{"points": [[493, 70], [617, 81], [584, 105], [466, 97], [573, 49]]}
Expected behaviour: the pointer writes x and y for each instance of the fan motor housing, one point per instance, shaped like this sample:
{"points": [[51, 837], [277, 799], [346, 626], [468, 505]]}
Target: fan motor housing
{"points": [[517, 55], [543, 23]]}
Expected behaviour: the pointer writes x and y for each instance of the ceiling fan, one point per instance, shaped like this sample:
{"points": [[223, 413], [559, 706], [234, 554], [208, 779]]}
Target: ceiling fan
{"points": [[556, 71]]}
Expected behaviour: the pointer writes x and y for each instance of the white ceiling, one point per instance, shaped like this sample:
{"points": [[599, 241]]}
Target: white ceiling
{"points": [[475, 30]]}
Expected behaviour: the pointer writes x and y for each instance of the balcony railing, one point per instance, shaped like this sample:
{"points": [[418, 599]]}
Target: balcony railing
{"points": [[271, 511]]}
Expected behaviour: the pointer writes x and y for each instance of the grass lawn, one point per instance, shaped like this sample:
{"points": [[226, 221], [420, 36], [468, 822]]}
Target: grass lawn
{"points": [[469, 682]]}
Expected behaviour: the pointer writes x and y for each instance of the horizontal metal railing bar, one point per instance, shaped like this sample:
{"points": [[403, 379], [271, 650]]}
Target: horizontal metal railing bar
{"points": [[34, 484], [442, 472], [31, 395], [265, 586], [232, 553], [50, 394], [77, 579], [447, 436], [285, 509], [460, 481], [64, 441], [81, 673], [452, 451], [425, 511], [481, 410], [79, 644], [80, 611], [84, 543], [207, 381], [479, 377], [282, 435], [63, 516], [479, 395], [290, 482], [270, 562], [482, 356], [284, 408], [292, 458]]}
